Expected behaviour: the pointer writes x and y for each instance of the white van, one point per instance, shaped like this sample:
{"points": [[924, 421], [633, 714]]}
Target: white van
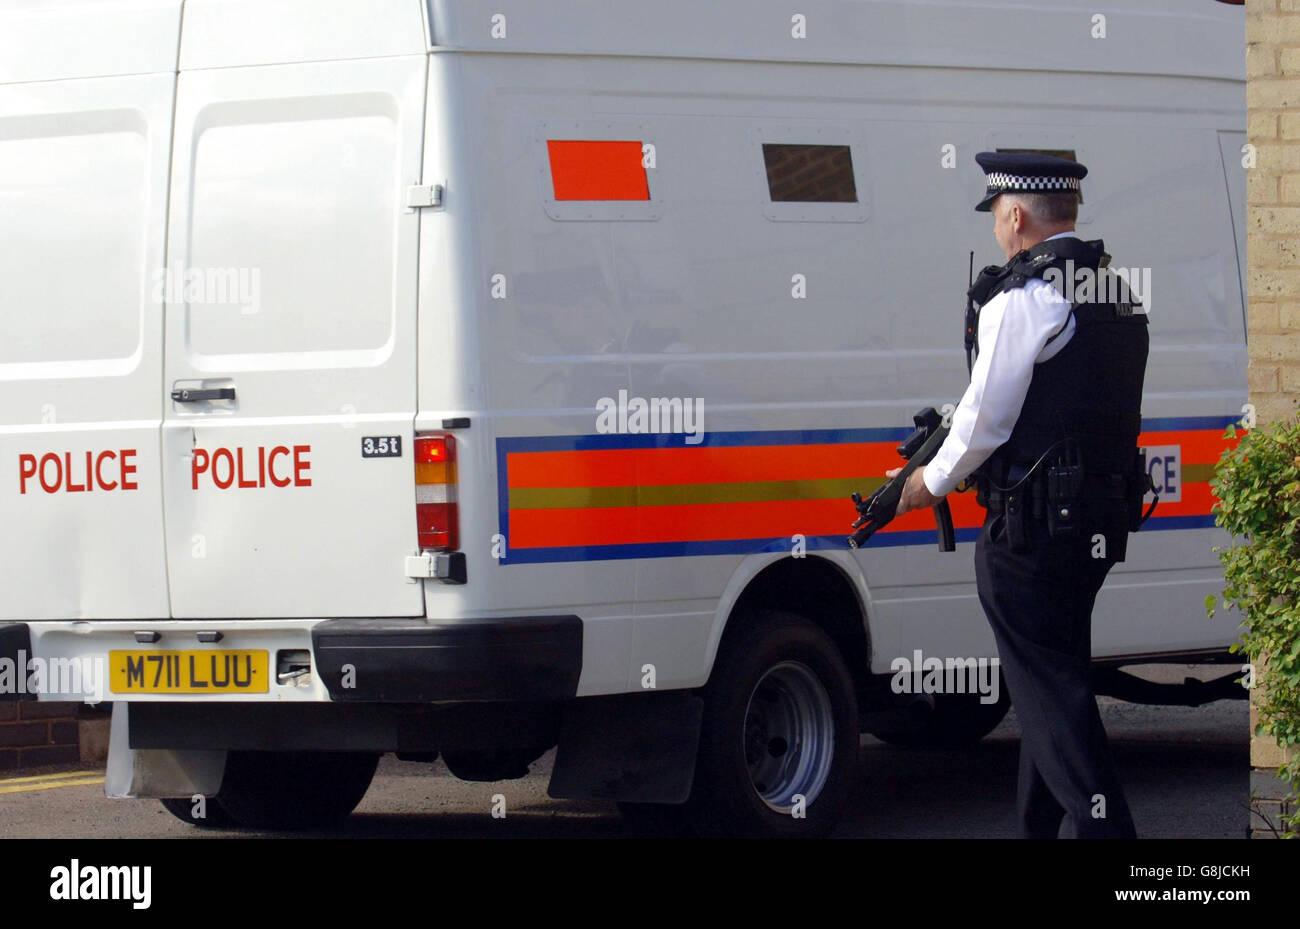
{"points": [[462, 380]]}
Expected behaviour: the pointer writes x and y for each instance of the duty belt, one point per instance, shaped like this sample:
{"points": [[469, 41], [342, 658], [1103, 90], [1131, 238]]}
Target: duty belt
{"points": [[1034, 492]]}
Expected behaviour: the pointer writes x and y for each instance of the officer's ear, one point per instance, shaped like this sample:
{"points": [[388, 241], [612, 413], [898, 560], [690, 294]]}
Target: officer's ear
{"points": [[1015, 217]]}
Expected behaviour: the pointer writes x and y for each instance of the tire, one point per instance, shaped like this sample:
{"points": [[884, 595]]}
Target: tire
{"points": [[294, 790], [183, 809], [488, 766], [780, 720], [957, 721]]}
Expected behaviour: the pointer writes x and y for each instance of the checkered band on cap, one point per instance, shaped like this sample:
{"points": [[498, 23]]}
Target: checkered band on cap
{"points": [[1011, 183]]}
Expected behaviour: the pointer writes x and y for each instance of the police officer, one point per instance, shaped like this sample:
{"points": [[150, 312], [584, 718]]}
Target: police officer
{"points": [[1047, 430]]}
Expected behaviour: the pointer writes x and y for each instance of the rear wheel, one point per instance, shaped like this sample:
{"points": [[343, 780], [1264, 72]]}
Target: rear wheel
{"points": [[294, 790], [186, 809], [956, 721], [778, 749]]}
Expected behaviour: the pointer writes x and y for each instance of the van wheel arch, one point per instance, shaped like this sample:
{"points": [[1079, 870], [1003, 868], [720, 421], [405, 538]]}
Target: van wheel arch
{"points": [[818, 590]]}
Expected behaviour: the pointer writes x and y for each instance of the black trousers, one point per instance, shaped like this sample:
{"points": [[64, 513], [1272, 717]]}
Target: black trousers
{"points": [[1039, 603]]}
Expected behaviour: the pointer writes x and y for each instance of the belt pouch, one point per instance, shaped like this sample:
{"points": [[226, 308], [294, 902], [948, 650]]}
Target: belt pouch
{"points": [[1016, 516]]}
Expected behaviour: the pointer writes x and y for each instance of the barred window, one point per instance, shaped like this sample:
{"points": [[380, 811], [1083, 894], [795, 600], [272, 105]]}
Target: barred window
{"points": [[809, 173]]}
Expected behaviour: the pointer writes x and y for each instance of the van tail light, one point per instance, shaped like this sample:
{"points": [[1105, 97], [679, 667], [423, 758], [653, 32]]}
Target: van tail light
{"points": [[435, 492]]}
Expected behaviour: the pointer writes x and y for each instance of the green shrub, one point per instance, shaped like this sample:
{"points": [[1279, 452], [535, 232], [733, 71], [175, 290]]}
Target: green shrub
{"points": [[1258, 486]]}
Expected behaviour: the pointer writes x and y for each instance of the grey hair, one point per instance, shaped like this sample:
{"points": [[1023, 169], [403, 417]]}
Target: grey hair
{"points": [[1048, 209]]}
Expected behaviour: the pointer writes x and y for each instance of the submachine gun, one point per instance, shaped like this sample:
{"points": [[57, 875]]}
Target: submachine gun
{"points": [[878, 510]]}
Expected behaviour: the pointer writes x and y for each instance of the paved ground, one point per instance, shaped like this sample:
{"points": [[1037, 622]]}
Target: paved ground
{"points": [[1185, 771]]}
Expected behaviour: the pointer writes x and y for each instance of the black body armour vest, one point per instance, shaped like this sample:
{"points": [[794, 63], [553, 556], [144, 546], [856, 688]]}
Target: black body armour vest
{"points": [[1090, 390]]}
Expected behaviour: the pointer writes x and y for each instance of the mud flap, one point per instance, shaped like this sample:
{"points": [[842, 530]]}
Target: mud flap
{"points": [[632, 747], [157, 772]]}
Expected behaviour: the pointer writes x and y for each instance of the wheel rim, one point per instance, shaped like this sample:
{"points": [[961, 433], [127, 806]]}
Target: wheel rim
{"points": [[789, 737]]}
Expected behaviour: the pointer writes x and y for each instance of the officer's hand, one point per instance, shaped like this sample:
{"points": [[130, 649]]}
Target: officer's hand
{"points": [[916, 496]]}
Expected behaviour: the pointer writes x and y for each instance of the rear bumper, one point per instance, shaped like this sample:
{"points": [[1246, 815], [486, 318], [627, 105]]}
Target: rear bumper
{"points": [[523, 658], [371, 660]]}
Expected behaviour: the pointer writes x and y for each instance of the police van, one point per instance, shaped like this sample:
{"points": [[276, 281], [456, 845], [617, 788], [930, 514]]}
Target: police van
{"points": [[464, 380]]}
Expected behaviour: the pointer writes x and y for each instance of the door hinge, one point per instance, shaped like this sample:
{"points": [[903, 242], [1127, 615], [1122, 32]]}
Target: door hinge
{"points": [[419, 196], [420, 565]]}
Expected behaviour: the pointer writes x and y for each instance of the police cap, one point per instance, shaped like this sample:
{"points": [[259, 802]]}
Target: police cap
{"points": [[1027, 172]]}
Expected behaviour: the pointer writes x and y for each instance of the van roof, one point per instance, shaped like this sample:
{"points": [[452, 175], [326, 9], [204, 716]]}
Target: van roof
{"points": [[53, 39], [1204, 38]]}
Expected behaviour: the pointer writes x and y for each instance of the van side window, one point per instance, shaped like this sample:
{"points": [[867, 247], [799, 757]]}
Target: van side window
{"points": [[598, 170], [589, 169], [809, 173]]}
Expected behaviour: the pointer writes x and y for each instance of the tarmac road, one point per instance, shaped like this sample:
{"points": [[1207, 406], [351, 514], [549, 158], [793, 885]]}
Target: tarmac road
{"points": [[1185, 772]]}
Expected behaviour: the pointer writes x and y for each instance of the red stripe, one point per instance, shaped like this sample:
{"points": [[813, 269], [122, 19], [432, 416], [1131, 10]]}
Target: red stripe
{"points": [[641, 467], [699, 522], [1198, 447]]}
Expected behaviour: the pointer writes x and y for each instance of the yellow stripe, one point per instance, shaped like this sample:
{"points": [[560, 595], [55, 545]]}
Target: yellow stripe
{"points": [[64, 775], [542, 498], [25, 788]]}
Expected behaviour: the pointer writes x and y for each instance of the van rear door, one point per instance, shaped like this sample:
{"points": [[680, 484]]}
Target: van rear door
{"points": [[83, 206], [290, 338]]}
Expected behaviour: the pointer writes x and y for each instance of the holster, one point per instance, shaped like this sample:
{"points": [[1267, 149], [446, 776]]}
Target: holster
{"points": [[1138, 485], [990, 474], [1016, 514], [1107, 499], [1016, 507]]}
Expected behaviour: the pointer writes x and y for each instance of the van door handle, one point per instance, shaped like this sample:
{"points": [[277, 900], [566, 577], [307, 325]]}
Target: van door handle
{"points": [[195, 394]]}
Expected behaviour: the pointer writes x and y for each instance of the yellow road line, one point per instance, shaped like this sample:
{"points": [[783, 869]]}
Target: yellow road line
{"points": [[24, 788], [58, 776]]}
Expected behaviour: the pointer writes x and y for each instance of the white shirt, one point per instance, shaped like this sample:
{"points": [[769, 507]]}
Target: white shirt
{"points": [[1014, 328]]}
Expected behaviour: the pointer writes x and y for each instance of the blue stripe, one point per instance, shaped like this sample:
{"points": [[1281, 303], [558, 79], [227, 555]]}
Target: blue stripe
{"points": [[582, 443], [1157, 523], [717, 547], [922, 537], [503, 494], [1176, 423], [579, 443]]}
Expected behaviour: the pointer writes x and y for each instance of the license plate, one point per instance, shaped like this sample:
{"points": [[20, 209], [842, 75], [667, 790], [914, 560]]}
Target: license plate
{"points": [[199, 672]]}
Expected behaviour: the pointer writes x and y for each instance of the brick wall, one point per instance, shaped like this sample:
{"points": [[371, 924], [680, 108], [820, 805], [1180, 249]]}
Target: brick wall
{"points": [[36, 734], [1273, 259]]}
